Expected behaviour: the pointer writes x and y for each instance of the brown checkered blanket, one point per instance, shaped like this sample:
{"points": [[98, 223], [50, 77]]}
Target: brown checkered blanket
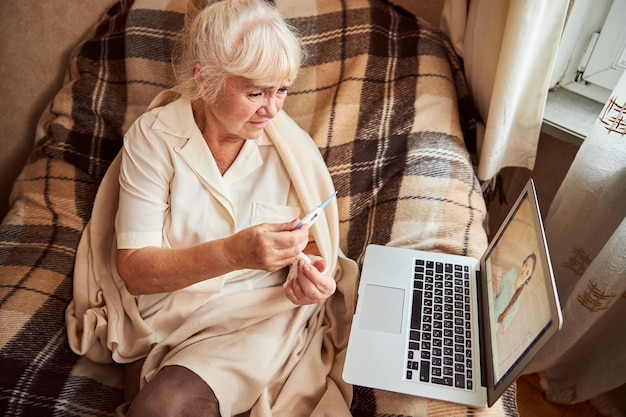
{"points": [[381, 93]]}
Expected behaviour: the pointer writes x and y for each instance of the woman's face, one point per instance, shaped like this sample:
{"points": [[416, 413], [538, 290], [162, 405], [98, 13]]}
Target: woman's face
{"points": [[243, 108], [525, 272]]}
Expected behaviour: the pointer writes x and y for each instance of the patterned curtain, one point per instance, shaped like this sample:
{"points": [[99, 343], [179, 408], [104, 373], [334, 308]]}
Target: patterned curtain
{"points": [[586, 232]]}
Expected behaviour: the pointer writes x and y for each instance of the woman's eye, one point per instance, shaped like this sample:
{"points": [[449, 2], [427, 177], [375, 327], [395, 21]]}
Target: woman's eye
{"points": [[283, 90], [255, 96]]}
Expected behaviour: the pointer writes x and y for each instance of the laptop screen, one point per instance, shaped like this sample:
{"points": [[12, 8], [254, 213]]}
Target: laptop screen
{"points": [[518, 280]]}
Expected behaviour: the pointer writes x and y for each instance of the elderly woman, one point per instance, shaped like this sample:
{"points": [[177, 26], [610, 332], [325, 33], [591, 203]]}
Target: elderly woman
{"points": [[205, 287]]}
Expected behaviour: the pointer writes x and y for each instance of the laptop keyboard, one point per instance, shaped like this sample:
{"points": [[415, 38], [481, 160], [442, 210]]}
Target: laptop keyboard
{"points": [[440, 340]]}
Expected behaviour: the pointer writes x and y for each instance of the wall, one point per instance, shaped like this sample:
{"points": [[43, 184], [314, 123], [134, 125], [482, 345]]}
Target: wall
{"points": [[36, 38]]}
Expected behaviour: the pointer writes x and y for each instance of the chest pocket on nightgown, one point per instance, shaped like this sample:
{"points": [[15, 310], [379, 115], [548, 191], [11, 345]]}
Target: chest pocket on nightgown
{"points": [[269, 213]]}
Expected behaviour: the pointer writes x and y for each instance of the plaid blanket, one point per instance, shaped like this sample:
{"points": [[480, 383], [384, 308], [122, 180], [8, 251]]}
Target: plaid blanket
{"points": [[381, 93]]}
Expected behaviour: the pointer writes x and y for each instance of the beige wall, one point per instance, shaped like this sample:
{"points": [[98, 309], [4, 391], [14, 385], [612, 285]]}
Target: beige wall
{"points": [[36, 38]]}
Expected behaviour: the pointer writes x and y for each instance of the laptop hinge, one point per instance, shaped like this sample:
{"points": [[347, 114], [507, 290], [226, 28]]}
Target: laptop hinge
{"points": [[481, 332]]}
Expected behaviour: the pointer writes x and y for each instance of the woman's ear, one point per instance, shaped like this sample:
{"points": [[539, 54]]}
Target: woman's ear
{"points": [[196, 70]]}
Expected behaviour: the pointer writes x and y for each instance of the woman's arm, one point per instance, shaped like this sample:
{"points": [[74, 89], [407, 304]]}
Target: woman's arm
{"points": [[268, 247]]}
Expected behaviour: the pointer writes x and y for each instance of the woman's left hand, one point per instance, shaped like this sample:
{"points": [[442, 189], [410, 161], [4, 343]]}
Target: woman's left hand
{"points": [[309, 283]]}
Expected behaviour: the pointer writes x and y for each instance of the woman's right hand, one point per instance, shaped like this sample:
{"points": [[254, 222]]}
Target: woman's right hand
{"points": [[267, 246]]}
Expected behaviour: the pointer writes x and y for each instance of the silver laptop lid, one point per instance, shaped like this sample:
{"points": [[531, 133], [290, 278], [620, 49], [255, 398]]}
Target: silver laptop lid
{"points": [[520, 308]]}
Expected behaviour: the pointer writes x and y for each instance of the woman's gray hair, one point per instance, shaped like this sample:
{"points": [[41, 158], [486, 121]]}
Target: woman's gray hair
{"points": [[235, 38]]}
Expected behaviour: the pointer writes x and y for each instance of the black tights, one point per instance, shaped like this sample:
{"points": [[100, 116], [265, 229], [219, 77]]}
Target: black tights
{"points": [[175, 391]]}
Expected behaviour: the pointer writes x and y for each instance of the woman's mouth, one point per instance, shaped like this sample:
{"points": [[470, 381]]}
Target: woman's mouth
{"points": [[259, 124]]}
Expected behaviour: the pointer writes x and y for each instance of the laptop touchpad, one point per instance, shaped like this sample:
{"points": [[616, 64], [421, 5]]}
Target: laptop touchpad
{"points": [[384, 309]]}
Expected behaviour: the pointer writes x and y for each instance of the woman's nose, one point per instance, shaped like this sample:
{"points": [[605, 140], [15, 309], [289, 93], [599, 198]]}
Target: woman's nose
{"points": [[271, 107]]}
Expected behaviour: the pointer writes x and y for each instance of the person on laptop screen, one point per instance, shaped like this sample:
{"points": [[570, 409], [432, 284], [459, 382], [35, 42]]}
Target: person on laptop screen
{"points": [[510, 289]]}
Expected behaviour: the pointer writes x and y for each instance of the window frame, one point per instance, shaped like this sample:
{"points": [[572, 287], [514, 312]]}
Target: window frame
{"points": [[587, 17], [573, 105]]}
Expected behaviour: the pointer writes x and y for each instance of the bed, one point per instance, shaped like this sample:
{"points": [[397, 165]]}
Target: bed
{"points": [[383, 95]]}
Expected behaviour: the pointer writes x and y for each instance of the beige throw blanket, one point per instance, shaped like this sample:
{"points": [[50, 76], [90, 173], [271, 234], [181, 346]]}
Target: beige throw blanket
{"points": [[104, 323]]}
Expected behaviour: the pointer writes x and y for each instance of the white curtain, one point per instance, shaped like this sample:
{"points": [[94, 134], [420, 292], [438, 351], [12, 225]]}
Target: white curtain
{"points": [[508, 48], [586, 233]]}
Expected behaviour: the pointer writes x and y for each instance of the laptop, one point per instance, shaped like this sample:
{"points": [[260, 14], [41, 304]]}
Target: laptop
{"points": [[451, 327]]}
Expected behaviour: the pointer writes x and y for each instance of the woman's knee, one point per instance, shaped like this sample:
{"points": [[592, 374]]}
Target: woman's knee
{"points": [[175, 391]]}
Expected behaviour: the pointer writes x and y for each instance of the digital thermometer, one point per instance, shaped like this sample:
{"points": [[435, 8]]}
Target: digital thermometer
{"points": [[311, 218]]}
